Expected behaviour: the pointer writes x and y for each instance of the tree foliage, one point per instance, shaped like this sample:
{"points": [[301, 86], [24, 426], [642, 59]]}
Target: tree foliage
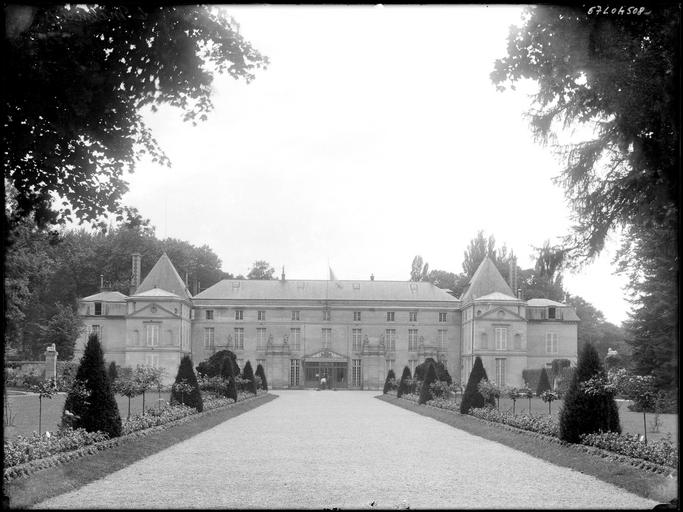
{"points": [[442, 373], [228, 374], [186, 375], [472, 398], [213, 366], [261, 270], [425, 391], [76, 82], [420, 270], [391, 376], [404, 385], [260, 372], [543, 383], [248, 375]]}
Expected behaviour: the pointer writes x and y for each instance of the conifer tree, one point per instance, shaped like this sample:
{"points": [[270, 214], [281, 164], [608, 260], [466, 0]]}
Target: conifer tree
{"points": [[403, 386], [248, 375], [472, 398], [112, 373], [186, 375], [387, 383], [262, 373], [229, 376], [442, 373], [543, 383], [426, 392], [91, 403], [584, 412]]}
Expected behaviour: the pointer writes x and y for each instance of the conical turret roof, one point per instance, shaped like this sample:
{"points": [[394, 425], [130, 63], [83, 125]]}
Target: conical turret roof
{"points": [[486, 280], [164, 275]]}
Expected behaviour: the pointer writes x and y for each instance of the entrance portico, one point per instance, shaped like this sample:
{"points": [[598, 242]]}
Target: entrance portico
{"points": [[328, 364]]}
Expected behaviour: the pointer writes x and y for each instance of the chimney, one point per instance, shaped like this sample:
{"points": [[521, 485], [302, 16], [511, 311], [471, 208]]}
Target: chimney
{"points": [[512, 278], [283, 272], [519, 293], [372, 277], [135, 273], [101, 282], [187, 282]]}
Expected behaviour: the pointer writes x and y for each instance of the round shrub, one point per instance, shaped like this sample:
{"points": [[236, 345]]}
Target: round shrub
{"points": [[186, 375], [472, 398], [214, 365]]}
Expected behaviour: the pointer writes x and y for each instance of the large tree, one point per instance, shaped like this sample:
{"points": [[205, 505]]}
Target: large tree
{"points": [[76, 80], [419, 270], [618, 78], [261, 270]]}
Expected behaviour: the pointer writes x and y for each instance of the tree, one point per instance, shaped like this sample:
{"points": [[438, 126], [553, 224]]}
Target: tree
{"points": [[419, 271], [248, 375], [99, 410], [472, 398], [479, 248], [146, 378], [455, 284], [112, 372], [543, 383], [584, 411], [426, 392], [261, 270], [594, 329], [127, 386], [102, 65], [262, 374], [44, 389], [228, 373], [213, 366], [63, 329], [442, 373], [191, 395], [391, 378], [403, 385], [546, 279], [638, 388], [625, 176]]}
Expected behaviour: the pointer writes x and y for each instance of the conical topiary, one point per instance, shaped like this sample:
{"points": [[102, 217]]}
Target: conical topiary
{"points": [[261, 373], [112, 373], [403, 386], [442, 373], [98, 410], [387, 383], [229, 376], [248, 375], [430, 377], [543, 383], [192, 397], [472, 398], [584, 413]]}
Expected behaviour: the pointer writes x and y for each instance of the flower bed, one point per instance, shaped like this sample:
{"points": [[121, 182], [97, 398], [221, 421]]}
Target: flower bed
{"points": [[541, 424], [660, 452], [156, 417], [410, 397], [25, 449], [444, 403]]}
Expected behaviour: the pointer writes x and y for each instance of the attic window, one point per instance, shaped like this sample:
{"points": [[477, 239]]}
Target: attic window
{"points": [[98, 308], [551, 312]]}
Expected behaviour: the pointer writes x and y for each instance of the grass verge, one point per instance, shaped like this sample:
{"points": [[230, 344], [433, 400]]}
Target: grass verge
{"points": [[27, 491], [643, 483]]}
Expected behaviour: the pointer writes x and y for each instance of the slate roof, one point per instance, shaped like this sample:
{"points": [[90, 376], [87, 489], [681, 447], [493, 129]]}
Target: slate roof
{"points": [[164, 275], [545, 303], [298, 289], [498, 296], [486, 280], [106, 296], [156, 292]]}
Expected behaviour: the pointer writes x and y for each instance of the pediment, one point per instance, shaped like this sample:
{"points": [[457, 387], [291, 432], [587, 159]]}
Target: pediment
{"points": [[495, 314], [326, 354], [156, 310]]}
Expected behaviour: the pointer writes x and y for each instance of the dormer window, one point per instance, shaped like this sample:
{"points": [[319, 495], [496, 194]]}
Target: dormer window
{"points": [[551, 313], [98, 308]]}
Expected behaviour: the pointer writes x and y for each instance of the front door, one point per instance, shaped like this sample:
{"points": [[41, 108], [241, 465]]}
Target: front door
{"points": [[334, 372]]}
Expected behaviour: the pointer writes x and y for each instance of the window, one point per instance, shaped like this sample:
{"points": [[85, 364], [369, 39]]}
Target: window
{"points": [[152, 335], [551, 343], [390, 340], [412, 363], [484, 340], [327, 338], [356, 316], [412, 316], [152, 360], [209, 314], [239, 315], [390, 364], [169, 337], [326, 314], [261, 316], [294, 372], [239, 338], [295, 315], [208, 338], [97, 329], [442, 317], [551, 313], [296, 338], [98, 308], [390, 316], [356, 375], [518, 341], [443, 338], [260, 338], [501, 338], [357, 341], [412, 339], [135, 338], [500, 372]]}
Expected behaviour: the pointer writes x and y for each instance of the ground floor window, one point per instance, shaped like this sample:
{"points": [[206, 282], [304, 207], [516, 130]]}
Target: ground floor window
{"points": [[412, 364], [356, 372], [294, 372], [357, 334], [239, 338], [295, 340], [500, 372]]}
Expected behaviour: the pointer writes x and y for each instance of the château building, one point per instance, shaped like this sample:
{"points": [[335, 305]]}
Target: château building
{"points": [[351, 331]]}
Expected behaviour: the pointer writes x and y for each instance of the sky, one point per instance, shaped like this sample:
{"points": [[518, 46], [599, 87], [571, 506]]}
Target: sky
{"points": [[375, 135]]}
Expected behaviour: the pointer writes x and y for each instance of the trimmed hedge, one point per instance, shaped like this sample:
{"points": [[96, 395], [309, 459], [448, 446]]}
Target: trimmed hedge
{"points": [[472, 397], [194, 397], [403, 385], [426, 391], [391, 376]]}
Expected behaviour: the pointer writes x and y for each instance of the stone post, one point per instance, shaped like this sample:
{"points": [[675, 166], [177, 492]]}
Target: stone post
{"points": [[51, 362]]}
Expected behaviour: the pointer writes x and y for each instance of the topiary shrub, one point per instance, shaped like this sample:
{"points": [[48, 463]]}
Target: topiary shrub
{"points": [[262, 374], [557, 364], [112, 372], [248, 375], [90, 404], [387, 382], [586, 412], [442, 374], [531, 376], [213, 366], [403, 385], [472, 398], [192, 397], [229, 376], [426, 391], [543, 383]]}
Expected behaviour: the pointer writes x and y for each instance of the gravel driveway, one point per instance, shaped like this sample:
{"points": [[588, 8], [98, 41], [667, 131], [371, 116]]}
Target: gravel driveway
{"points": [[324, 449]]}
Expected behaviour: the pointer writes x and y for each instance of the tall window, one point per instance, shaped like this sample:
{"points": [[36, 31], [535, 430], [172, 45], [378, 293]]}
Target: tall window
{"points": [[356, 337], [97, 329], [517, 340], [390, 364], [261, 316], [327, 338], [209, 314], [500, 372], [484, 340], [239, 315], [296, 338], [208, 337], [239, 338], [135, 338], [390, 339], [295, 315], [501, 338], [442, 338], [390, 316], [98, 308], [551, 342], [442, 317], [327, 315], [294, 372], [152, 335], [356, 375], [412, 339], [356, 316], [412, 316], [412, 363], [260, 338], [152, 360]]}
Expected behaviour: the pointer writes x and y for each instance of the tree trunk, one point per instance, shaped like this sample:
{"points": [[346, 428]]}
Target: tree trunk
{"points": [[129, 407], [644, 426], [143, 403], [529, 406], [549, 402], [40, 414], [513, 407]]}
